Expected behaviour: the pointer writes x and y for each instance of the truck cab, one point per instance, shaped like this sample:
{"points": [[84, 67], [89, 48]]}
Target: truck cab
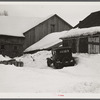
{"points": [[61, 57]]}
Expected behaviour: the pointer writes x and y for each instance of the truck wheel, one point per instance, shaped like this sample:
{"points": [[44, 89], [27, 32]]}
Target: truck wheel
{"points": [[49, 62], [57, 65], [73, 63]]}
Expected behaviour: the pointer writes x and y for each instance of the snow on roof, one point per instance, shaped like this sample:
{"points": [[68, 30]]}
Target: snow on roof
{"points": [[81, 32], [16, 26], [46, 42]]}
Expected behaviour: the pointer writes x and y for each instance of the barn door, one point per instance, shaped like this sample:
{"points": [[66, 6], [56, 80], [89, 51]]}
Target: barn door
{"points": [[52, 28], [92, 49], [93, 44]]}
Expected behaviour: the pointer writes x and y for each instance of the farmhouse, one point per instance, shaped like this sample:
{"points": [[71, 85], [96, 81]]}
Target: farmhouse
{"points": [[45, 26], [84, 40]]}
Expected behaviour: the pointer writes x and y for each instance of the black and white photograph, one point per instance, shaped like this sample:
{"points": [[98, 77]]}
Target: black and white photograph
{"points": [[49, 49]]}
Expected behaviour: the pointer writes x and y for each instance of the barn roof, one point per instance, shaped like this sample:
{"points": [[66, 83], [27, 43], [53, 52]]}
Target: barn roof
{"points": [[16, 26], [91, 20], [81, 32], [54, 39]]}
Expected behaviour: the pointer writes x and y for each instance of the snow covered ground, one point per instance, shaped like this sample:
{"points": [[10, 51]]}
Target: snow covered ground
{"points": [[37, 77]]}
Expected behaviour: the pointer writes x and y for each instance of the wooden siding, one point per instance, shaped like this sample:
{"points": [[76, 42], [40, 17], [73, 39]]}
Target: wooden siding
{"points": [[94, 44], [85, 44], [72, 43], [79, 45], [90, 21], [44, 28], [11, 46], [74, 47], [29, 38]]}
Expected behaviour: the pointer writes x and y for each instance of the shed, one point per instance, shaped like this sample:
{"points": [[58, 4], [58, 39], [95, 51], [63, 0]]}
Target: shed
{"points": [[84, 40]]}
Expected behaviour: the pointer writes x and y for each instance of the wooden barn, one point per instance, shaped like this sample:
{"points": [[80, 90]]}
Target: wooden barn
{"points": [[84, 40], [45, 26], [85, 37], [11, 36], [11, 46], [90, 21]]}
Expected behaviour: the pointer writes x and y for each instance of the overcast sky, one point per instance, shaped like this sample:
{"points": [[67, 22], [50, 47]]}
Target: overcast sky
{"points": [[72, 12]]}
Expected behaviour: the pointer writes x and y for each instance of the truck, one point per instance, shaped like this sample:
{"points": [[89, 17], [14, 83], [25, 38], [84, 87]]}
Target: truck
{"points": [[61, 57]]}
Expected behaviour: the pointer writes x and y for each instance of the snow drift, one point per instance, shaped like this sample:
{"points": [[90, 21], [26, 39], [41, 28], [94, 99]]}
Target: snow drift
{"points": [[37, 77]]}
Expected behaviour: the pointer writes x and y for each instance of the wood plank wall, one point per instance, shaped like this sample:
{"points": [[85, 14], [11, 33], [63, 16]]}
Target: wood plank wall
{"points": [[38, 32], [9, 44]]}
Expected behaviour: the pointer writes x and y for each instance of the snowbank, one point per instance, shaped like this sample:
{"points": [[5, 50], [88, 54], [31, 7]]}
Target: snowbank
{"points": [[46, 42], [37, 77], [82, 32], [4, 58], [37, 60]]}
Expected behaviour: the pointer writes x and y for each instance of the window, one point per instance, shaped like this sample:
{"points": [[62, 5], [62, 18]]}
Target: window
{"points": [[52, 28], [64, 51], [93, 39]]}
